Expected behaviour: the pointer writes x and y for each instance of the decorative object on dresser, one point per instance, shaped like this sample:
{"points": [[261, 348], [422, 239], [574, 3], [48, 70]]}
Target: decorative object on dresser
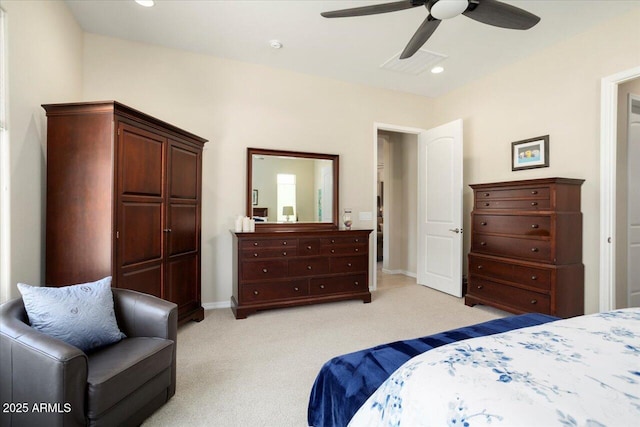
{"points": [[276, 269], [124, 200], [526, 247]]}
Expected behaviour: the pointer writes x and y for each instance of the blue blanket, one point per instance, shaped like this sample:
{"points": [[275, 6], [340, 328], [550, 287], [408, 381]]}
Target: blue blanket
{"points": [[346, 382]]}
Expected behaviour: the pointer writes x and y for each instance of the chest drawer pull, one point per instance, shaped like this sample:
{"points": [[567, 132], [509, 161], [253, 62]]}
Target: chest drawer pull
{"points": [[534, 203], [479, 267], [264, 270], [480, 286], [256, 292], [534, 277], [487, 204], [535, 226], [284, 253], [284, 243], [356, 240], [296, 289], [534, 301], [309, 267], [255, 243], [534, 249], [356, 283], [333, 251], [357, 250], [483, 243], [255, 254], [309, 247], [321, 286], [333, 240], [534, 192], [486, 194], [483, 223], [348, 264]]}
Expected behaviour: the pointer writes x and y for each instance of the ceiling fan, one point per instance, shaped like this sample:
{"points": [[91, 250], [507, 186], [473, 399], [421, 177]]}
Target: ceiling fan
{"points": [[491, 12]]}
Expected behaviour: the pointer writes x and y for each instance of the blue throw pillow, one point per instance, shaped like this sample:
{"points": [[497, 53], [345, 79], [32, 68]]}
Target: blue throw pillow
{"points": [[80, 315]]}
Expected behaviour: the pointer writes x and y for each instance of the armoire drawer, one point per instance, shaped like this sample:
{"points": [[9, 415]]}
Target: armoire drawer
{"points": [[513, 204], [264, 270], [533, 249], [349, 264], [269, 253], [520, 299], [268, 243], [259, 292], [330, 285], [523, 225], [513, 193], [515, 273]]}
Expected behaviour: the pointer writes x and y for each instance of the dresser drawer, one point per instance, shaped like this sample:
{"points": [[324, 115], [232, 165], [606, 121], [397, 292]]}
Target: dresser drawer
{"points": [[515, 273], [345, 249], [331, 241], [259, 292], [524, 225], [269, 253], [308, 247], [537, 250], [329, 285], [308, 266], [349, 264], [268, 243], [513, 204], [517, 298], [257, 270], [513, 193]]}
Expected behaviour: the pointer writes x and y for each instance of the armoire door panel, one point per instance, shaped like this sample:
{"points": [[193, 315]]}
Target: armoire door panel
{"points": [[183, 174], [140, 232], [184, 230], [140, 162], [182, 282], [147, 280]]}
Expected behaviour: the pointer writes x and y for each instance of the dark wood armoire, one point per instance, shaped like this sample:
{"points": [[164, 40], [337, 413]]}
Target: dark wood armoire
{"points": [[124, 199]]}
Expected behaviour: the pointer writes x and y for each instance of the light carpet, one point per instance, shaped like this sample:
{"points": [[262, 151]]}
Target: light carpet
{"points": [[259, 371]]}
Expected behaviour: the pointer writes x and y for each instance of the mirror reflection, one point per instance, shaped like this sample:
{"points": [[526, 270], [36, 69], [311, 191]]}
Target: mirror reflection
{"points": [[292, 187]]}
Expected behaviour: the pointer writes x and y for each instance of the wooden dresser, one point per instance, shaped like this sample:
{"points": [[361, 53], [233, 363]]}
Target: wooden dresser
{"points": [[526, 247], [124, 200], [275, 269]]}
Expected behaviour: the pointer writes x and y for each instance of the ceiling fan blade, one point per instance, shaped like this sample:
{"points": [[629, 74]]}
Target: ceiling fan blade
{"points": [[498, 14], [373, 9], [423, 33]]}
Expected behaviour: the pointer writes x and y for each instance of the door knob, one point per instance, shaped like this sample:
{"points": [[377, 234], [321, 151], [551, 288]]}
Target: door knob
{"points": [[456, 230]]}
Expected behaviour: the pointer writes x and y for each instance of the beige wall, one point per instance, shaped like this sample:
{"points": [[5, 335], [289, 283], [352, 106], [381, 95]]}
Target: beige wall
{"points": [[238, 105], [621, 285], [45, 66], [555, 92]]}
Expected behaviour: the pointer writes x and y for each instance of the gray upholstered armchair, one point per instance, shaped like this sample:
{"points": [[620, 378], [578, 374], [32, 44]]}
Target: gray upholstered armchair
{"points": [[120, 384]]}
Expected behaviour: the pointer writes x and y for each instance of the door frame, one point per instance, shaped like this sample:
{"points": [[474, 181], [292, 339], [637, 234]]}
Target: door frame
{"points": [[608, 151], [377, 126]]}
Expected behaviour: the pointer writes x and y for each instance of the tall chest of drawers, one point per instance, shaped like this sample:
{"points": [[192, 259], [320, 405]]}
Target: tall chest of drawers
{"points": [[526, 247], [279, 269]]}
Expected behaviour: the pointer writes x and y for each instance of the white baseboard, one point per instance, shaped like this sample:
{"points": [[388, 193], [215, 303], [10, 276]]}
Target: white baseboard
{"points": [[406, 273], [214, 305]]}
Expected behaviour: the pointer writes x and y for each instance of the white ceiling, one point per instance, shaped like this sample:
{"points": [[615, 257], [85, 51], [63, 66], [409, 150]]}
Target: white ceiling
{"points": [[349, 49]]}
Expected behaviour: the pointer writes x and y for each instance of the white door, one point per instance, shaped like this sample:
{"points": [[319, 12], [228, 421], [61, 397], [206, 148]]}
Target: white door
{"points": [[440, 208], [633, 191]]}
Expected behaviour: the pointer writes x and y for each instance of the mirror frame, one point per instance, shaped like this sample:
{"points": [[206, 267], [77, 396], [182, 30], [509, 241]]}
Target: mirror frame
{"points": [[280, 226]]}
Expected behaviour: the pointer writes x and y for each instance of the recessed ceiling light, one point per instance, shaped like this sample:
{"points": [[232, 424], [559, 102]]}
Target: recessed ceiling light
{"points": [[145, 3], [437, 70], [276, 44]]}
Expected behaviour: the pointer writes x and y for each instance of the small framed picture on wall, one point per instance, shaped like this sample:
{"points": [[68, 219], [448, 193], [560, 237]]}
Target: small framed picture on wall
{"points": [[530, 153]]}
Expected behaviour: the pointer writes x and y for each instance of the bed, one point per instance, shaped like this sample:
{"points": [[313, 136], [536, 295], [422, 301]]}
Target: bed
{"points": [[345, 382], [583, 371]]}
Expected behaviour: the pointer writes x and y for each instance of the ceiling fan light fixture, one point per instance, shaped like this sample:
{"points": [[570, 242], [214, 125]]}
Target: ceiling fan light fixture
{"points": [[445, 9], [145, 3]]}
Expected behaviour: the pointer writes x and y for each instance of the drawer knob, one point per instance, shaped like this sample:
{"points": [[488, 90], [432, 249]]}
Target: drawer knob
{"points": [[534, 301], [534, 277], [348, 264], [534, 203], [308, 267], [333, 241], [356, 283], [256, 292], [534, 192], [284, 253], [284, 243], [321, 286], [483, 243], [486, 194], [535, 226], [356, 240], [487, 204], [357, 250], [255, 243], [255, 254], [534, 249], [333, 251], [483, 223], [296, 289], [309, 247], [480, 286], [479, 267], [264, 270]]}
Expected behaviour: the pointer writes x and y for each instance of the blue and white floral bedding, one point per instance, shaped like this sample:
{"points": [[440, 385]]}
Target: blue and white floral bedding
{"points": [[583, 371]]}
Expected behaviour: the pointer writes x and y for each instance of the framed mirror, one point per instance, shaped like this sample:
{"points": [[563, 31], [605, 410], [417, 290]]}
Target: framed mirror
{"points": [[288, 190]]}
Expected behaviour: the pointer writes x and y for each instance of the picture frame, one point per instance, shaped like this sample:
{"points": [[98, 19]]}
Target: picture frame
{"points": [[530, 153], [254, 198]]}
